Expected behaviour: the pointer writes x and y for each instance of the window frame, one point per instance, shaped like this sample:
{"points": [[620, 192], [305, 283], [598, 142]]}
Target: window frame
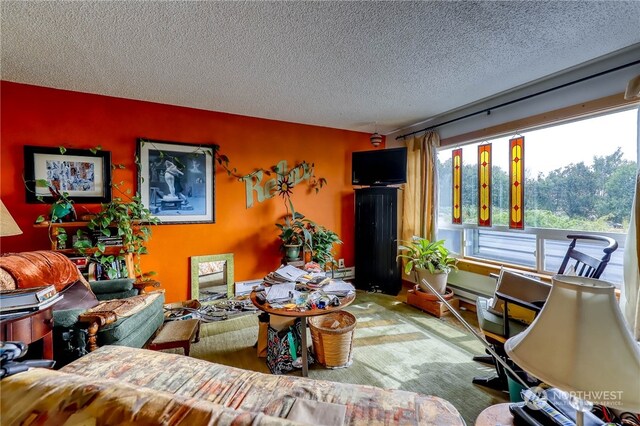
{"points": [[599, 107]]}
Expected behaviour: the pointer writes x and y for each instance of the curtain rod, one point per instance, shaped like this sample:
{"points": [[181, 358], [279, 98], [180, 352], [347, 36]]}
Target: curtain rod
{"points": [[523, 98]]}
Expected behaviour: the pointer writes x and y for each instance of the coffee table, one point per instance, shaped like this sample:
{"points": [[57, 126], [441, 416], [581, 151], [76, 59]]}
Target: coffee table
{"points": [[266, 307]]}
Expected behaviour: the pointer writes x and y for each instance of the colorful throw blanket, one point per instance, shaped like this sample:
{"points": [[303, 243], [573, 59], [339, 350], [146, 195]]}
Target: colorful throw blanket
{"points": [[256, 392]]}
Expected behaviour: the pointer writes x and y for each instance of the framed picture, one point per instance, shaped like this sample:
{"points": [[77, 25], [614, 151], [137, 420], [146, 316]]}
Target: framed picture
{"points": [[81, 173], [177, 181]]}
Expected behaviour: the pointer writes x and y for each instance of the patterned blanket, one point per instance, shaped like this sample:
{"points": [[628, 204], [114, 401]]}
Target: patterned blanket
{"points": [[45, 397], [126, 307], [260, 393]]}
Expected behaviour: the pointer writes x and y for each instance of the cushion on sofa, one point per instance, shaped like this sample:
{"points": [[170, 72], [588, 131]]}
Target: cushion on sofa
{"points": [[40, 396], [127, 325], [112, 286], [38, 268]]}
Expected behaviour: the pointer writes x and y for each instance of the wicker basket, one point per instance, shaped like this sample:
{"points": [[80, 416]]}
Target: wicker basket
{"points": [[332, 337]]}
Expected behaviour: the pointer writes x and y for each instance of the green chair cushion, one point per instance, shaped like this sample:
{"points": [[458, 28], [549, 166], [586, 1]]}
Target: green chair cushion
{"points": [[111, 286], [124, 327], [117, 295], [488, 321], [66, 318]]}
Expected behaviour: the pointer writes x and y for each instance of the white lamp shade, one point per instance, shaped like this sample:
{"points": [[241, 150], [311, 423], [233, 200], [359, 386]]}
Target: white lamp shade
{"points": [[580, 343], [8, 226]]}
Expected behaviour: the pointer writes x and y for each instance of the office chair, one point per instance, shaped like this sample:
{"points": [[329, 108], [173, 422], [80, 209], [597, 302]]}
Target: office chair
{"points": [[498, 321]]}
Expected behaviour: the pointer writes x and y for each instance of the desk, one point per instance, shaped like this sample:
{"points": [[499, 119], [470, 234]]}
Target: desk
{"points": [[266, 307], [30, 328]]}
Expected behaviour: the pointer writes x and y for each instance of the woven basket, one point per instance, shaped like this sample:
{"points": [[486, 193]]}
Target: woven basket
{"points": [[332, 337]]}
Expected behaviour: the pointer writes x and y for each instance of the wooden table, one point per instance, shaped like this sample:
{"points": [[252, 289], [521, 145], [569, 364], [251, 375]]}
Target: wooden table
{"points": [[177, 334], [266, 307], [496, 415], [29, 328]]}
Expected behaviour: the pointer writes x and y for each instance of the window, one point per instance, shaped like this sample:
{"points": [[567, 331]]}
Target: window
{"points": [[578, 177]]}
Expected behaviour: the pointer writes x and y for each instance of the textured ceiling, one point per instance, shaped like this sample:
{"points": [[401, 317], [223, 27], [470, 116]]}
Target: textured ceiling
{"points": [[336, 64]]}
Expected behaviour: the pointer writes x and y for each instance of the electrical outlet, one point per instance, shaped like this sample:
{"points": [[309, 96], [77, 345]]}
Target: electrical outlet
{"points": [[340, 263]]}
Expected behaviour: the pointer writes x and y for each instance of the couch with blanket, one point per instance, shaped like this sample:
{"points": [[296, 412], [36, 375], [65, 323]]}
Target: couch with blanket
{"points": [[89, 315], [120, 385]]}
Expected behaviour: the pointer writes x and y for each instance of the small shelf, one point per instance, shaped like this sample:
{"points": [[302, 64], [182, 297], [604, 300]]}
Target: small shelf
{"points": [[90, 251], [47, 224]]}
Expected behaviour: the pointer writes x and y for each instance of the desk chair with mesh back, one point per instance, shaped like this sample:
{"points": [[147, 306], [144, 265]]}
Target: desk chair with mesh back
{"points": [[498, 321]]}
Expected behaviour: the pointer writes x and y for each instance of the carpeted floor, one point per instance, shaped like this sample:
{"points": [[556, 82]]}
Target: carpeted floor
{"points": [[395, 346]]}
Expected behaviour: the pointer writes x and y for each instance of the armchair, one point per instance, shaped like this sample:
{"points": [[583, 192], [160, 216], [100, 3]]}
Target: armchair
{"points": [[112, 312]]}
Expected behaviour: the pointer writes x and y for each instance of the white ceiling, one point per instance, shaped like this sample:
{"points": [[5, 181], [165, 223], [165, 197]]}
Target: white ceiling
{"points": [[335, 64]]}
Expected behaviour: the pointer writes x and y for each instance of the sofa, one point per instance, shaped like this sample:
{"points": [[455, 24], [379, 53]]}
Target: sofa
{"points": [[121, 385], [90, 314]]}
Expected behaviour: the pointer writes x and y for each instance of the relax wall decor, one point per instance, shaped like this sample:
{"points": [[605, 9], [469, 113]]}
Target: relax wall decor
{"points": [[176, 181]]}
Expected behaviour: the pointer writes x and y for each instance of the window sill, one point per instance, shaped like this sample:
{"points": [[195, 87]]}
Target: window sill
{"points": [[482, 268]]}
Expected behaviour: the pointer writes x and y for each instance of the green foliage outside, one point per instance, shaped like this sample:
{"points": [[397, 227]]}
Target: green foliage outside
{"points": [[595, 197]]}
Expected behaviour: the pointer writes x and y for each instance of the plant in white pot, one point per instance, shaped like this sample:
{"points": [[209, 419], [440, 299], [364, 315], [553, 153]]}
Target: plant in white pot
{"points": [[431, 261]]}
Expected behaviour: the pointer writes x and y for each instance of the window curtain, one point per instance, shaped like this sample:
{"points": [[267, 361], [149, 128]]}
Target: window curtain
{"points": [[420, 213], [630, 297]]}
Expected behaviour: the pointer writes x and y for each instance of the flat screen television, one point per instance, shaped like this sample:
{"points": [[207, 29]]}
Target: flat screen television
{"points": [[380, 167]]}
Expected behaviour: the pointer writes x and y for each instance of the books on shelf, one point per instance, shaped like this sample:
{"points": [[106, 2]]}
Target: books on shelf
{"points": [[26, 296]]}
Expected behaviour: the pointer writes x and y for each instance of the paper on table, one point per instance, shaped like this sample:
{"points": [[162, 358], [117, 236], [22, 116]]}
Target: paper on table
{"points": [[290, 273], [280, 292], [338, 286]]}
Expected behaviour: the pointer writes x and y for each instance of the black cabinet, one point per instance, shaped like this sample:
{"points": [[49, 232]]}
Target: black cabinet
{"points": [[376, 240]]}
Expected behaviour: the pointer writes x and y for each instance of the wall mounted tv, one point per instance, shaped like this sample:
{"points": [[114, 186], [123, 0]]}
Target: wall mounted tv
{"points": [[380, 167]]}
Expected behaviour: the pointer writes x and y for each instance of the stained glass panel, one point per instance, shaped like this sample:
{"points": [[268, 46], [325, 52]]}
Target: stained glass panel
{"points": [[516, 183], [456, 182], [484, 185]]}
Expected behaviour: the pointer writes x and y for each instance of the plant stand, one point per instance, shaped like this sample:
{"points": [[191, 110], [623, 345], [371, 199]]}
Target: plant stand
{"points": [[429, 302]]}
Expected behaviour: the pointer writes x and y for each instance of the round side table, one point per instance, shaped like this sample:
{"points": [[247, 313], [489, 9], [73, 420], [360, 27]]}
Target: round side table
{"points": [[496, 415]]}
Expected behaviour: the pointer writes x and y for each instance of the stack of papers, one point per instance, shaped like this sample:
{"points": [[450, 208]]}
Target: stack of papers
{"points": [[339, 288], [284, 274], [281, 292]]}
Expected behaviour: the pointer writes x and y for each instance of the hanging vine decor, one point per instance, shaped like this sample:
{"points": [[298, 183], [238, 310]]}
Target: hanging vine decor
{"points": [[282, 183]]}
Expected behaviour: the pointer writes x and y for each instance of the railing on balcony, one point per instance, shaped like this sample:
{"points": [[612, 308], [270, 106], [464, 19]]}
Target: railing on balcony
{"points": [[537, 249]]}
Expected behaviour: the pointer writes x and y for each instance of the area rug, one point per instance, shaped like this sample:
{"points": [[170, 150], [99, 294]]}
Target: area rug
{"points": [[395, 346]]}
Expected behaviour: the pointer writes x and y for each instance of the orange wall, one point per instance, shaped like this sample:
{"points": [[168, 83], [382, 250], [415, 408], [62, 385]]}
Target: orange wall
{"points": [[32, 115]]}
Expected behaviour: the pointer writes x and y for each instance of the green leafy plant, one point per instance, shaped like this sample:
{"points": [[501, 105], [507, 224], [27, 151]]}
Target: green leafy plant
{"points": [[323, 240], [421, 253], [129, 220], [296, 228]]}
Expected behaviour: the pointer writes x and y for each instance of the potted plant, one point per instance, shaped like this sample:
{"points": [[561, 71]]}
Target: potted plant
{"points": [[126, 220], [430, 260], [323, 240], [294, 232]]}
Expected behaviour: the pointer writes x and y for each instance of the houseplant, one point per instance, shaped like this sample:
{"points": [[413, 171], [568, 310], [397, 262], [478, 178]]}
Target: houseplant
{"points": [[323, 240], [430, 260], [294, 232], [129, 221]]}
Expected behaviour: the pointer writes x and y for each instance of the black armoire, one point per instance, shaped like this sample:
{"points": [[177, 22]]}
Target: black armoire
{"points": [[376, 242]]}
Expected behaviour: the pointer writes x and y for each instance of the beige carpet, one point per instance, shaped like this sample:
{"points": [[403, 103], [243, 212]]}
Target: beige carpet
{"points": [[395, 346]]}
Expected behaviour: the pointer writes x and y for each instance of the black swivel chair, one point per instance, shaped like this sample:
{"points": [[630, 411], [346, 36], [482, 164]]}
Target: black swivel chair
{"points": [[498, 328]]}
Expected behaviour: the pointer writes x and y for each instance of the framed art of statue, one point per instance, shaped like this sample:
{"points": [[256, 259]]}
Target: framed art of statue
{"points": [[84, 174], [176, 181]]}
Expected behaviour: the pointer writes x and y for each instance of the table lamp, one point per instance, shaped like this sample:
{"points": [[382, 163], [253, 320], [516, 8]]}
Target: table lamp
{"points": [[579, 343], [8, 225]]}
